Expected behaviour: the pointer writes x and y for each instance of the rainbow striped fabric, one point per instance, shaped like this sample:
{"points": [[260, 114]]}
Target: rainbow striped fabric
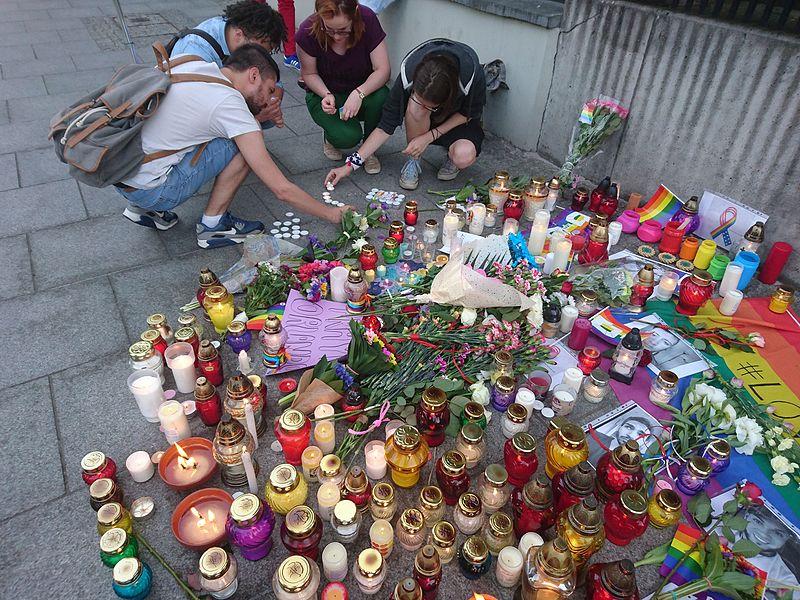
{"points": [[661, 206], [691, 569]]}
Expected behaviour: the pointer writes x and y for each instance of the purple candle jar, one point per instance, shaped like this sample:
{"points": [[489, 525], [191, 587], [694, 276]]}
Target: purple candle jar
{"points": [[249, 526], [238, 337], [693, 475], [503, 392], [688, 216], [718, 453]]}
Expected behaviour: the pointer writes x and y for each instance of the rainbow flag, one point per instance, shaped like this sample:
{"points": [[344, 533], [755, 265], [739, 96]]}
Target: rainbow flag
{"points": [[257, 323], [661, 206], [685, 537]]}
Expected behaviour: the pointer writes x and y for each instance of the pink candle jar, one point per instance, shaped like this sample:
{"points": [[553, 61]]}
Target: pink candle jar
{"points": [[629, 219]]}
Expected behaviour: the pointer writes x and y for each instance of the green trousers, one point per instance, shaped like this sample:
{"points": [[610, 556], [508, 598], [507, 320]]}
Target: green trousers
{"points": [[348, 134]]}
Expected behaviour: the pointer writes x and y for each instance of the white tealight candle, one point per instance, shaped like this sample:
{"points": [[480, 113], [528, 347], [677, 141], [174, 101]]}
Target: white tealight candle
{"points": [[730, 302], [140, 466], [526, 398], [338, 278], [528, 541], [325, 436], [145, 385], [562, 250], [573, 378], [245, 368], [509, 567], [328, 495], [323, 412], [569, 314], [250, 471], [173, 420], [666, 286], [334, 561], [614, 232], [375, 455]]}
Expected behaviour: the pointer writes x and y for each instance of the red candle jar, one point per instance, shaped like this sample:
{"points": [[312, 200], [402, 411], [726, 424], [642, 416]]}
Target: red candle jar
{"points": [[593, 252], [519, 456], [396, 231], [207, 402], [411, 212], [694, 291], [579, 199], [598, 194], [514, 206], [579, 334], [572, 486], [357, 488], [154, 337], [610, 202], [210, 364], [612, 581], [618, 470], [353, 402], [451, 474], [589, 359], [301, 532], [97, 465], [626, 518], [671, 238], [533, 506], [428, 571], [368, 257], [776, 260], [293, 431], [433, 416], [643, 288]]}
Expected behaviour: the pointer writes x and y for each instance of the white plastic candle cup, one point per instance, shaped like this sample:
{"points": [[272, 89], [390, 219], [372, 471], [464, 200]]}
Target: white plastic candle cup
{"points": [[730, 280], [562, 249], [375, 456], [730, 302], [549, 261], [541, 219], [572, 378], [563, 399], [477, 217], [180, 360], [666, 286], [537, 239], [334, 561], [528, 541], [140, 466], [174, 423], [325, 436], [509, 567], [614, 231], [569, 314], [323, 412], [526, 398], [338, 276], [510, 226], [328, 494], [145, 385]]}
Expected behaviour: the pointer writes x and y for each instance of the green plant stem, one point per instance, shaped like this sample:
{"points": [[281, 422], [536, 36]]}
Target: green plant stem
{"points": [[186, 589], [687, 589]]}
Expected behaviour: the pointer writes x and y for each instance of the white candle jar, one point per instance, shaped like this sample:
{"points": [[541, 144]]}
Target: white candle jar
{"points": [[219, 573], [328, 496], [334, 561], [369, 571], [509, 567], [346, 521], [142, 355], [375, 459], [145, 385], [325, 436], [140, 466], [468, 514], [180, 359], [381, 536], [410, 530], [515, 420], [330, 470], [297, 578], [563, 400], [594, 387], [173, 421], [569, 314], [494, 489]]}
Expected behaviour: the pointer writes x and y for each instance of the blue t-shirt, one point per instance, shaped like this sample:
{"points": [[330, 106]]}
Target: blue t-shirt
{"points": [[194, 44]]}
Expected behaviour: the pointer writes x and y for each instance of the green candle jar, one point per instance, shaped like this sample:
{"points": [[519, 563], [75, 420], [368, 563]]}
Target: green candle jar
{"points": [[473, 413], [717, 266], [390, 251], [116, 544]]}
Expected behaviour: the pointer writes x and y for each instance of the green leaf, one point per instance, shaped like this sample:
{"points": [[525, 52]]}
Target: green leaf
{"points": [[699, 344], [736, 522], [411, 420], [700, 507], [728, 533], [655, 556], [400, 401], [731, 335], [459, 401], [736, 581], [446, 385], [714, 564], [746, 548], [453, 428], [731, 507]]}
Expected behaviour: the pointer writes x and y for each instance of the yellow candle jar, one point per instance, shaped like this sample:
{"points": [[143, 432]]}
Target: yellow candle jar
{"points": [[781, 299], [406, 454], [218, 303], [113, 515], [706, 251], [564, 447], [581, 526], [286, 489], [664, 509]]}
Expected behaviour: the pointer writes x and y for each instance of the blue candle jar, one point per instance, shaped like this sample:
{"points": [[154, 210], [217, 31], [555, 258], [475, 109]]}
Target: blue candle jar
{"points": [[693, 475], [718, 453], [132, 579], [474, 558], [503, 392], [239, 337]]}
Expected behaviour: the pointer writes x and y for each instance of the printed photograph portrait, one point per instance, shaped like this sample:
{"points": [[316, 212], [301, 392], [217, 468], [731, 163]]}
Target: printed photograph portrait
{"points": [[670, 351], [627, 422]]}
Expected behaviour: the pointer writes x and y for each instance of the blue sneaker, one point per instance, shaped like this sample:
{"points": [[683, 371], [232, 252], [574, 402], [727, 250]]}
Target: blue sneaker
{"points": [[292, 62], [230, 230], [154, 219]]}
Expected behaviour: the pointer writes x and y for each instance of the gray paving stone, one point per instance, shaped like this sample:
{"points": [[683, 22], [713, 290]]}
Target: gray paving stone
{"points": [[302, 154], [27, 68], [8, 172], [27, 135], [58, 329], [68, 13], [32, 461], [80, 49], [40, 206], [24, 15], [40, 166], [62, 255], [36, 108], [9, 27], [101, 201], [80, 82], [65, 25], [106, 58], [22, 52], [22, 88], [18, 278], [300, 121], [21, 37]]}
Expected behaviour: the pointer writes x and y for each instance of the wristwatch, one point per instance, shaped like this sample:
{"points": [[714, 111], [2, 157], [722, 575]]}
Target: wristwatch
{"points": [[360, 94]]}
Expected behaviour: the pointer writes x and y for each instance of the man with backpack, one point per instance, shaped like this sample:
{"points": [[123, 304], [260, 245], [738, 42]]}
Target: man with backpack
{"points": [[245, 22], [204, 130]]}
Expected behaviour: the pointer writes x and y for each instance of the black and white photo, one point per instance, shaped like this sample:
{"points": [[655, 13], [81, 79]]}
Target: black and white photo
{"points": [[627, 422]]}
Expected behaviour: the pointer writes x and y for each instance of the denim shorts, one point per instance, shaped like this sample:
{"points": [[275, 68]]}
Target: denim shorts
{"points": [[184, 179]]}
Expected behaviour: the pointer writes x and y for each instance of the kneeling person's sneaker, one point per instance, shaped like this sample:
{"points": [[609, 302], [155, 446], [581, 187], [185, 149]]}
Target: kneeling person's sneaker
{"points": [[409, 176], [291, 61], [154, 219], [230, 230], [448, 172]]}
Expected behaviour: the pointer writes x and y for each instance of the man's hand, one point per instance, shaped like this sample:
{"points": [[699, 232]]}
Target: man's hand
{"points": [[329, 104], [351, 106], [418, 145], [337, 174], [337, 212], [272, 111]]}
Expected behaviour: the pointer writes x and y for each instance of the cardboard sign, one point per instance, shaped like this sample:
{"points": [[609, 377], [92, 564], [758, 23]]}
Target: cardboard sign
{"points": [[725, 220]]}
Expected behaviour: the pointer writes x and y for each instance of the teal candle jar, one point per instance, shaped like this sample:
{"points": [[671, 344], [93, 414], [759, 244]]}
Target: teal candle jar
{"points": [[132, 579], [717, 266], [390, 251], [116, 544]]}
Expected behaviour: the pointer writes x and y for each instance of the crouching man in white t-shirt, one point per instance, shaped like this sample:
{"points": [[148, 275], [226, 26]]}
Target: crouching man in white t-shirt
{"points": [[213, 127]]}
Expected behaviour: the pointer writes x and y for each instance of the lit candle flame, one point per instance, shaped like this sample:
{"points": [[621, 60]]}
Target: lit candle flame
{"points": [[478, 596], [200, 520], [211, 516], [184, 460]]}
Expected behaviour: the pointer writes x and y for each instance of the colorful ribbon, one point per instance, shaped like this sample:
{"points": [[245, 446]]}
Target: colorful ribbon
{"points": [[726, 221], [382, 418]]}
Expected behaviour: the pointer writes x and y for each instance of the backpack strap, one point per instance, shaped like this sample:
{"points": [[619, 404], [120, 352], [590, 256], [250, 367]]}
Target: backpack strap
{"points": [[192, 77], [203, 34]]}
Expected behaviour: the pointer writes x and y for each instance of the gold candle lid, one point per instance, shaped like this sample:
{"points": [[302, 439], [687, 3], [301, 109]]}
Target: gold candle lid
{"points": [[581, 194], [571, 435], [554, 184], [229, 432], [491, 208], [207, 277], [272, 324], [473, 411], [294, 573], [503, 358], [141, 350], [368, 250], [101, 488], [236, 327], [619, 577], [719, 448], [515, 194], [586, 516], [505, 384], [292, 420], [555, 558], [109, 514], [500, 524], [427, 561], [589, 296], [444, 534], [472, 433], [156, 320], [217, 293], [396, 226], [214, 563], [411, 205], [406, 437], [699, 466], [517, 413], [300, 521], [475, 550], [390, 243], [356, 481], [579, 480], [755, 233], [784, 293], [633, 502], [284, 478], [382, 494], [453, 462], [127, 570], [496, 475], [645, 275], [502, 175], [669, 501], [627, 456], [431, 223], [93, 461], [345, 512], [470, 504], [187, 320], [370, 563], [538, 492], [523, 442], [431, 497], [330, 465], [185, 334], [354, 275], [667, 379], [407, 589], [434, 398], [203, 388], [114, 540], [245, 509], [700, 277], [207, 351], [411, 520]]}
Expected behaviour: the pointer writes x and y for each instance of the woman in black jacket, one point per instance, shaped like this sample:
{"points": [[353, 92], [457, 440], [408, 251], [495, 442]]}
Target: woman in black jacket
{"points": [[440, 94]]}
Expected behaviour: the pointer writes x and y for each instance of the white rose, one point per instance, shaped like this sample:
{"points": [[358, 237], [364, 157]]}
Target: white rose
{"points": [[717, 398], [780, 479], [780, 464], [785, 444], [535, 317], [749, 434], [359, 243], [480, 393], [726, 418], [468, 317]]}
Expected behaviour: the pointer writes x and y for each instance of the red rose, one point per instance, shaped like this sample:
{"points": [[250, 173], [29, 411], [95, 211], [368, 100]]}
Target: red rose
{"points": [[752, 492], [411, 309], [647, 358], [566, 287]]}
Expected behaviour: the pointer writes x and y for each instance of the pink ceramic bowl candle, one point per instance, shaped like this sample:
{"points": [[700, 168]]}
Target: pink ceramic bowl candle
{"points": [[649, 231], [629, 219]]}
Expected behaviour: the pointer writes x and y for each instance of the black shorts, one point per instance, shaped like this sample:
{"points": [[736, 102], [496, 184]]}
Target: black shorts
{"points": [[471, 130]]}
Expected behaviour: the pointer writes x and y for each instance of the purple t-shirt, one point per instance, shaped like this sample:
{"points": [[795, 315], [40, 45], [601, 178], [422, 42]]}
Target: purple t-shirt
{"points": [[343, 72]]}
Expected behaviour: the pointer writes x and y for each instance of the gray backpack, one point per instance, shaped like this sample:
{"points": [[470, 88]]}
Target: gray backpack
{"points": [[100, 135]]}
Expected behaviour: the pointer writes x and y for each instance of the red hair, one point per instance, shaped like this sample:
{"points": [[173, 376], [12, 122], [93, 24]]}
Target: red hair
{"points": [[327, 9]]}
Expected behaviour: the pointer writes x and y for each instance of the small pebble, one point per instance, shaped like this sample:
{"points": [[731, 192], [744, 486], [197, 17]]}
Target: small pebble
{"points": [[274, 231], [304, 232], [287, 223], [328, 201], [276, 446], [295, 236], [276, 223]]}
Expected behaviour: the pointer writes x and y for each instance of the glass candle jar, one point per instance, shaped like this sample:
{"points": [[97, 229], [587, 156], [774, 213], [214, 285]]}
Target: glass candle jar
{"points": [[158, 322], [219, 573], [548, 572], [104, 490], [406, 454], [355, 288], [142, 355], [239, 393], [468, 514], [533, 506], [693, 475], [132, 579], [664, 509], [474, 413], [328, 495], [381, 537], [189, 320], [664, 387], [382, 504], [443, 538], [498, 532], [249, 526], [579, 199], [369, 571], [626, 357], [493, 488], [153, 337], [218, 304], [357, 488], [238, 337], [273, 342], [564, 447], [411, 212], [368, 258], [562, 399], [519, 457], [116, 544], [410, 529], [474, 557], [431, 504], [514, 206], [293, 432], [781, 300], [503, 364], [207, 279], [297, 578], [694, 291], [597, 249], [509, 567], [346, 521], [451, 474], [428, 571], [581, 527], [330, 470], [310, 460], [301, 532], [207, 402], [433, 416], [353, 402], [718, 454], [612, 581], [589, 359], [502, 392], [587, 303], [499, 187], [231, 439], [594, 387], [619, 469], [396, 231], [406, 589], [334, 561], [390, 251], [515, 420], [572, 486], [626, 518], [96, 465], [431, 232], [471, 445], [286, 489], [112, 515]]}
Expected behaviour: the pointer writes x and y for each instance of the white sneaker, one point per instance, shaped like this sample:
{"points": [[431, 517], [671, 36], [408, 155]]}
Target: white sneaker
{"points": [[372, 165]]}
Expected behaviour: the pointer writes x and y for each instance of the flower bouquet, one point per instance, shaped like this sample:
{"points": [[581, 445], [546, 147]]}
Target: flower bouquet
{"points": [[613, 283], [353, 235], [270, 287]]}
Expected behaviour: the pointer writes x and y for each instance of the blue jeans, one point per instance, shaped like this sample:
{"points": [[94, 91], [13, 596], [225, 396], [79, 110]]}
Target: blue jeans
{"points": [[184, 179]]}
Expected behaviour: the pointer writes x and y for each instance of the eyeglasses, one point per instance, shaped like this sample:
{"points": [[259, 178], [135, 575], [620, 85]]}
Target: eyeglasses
{"points": [[337, 32], [426, 107]]}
